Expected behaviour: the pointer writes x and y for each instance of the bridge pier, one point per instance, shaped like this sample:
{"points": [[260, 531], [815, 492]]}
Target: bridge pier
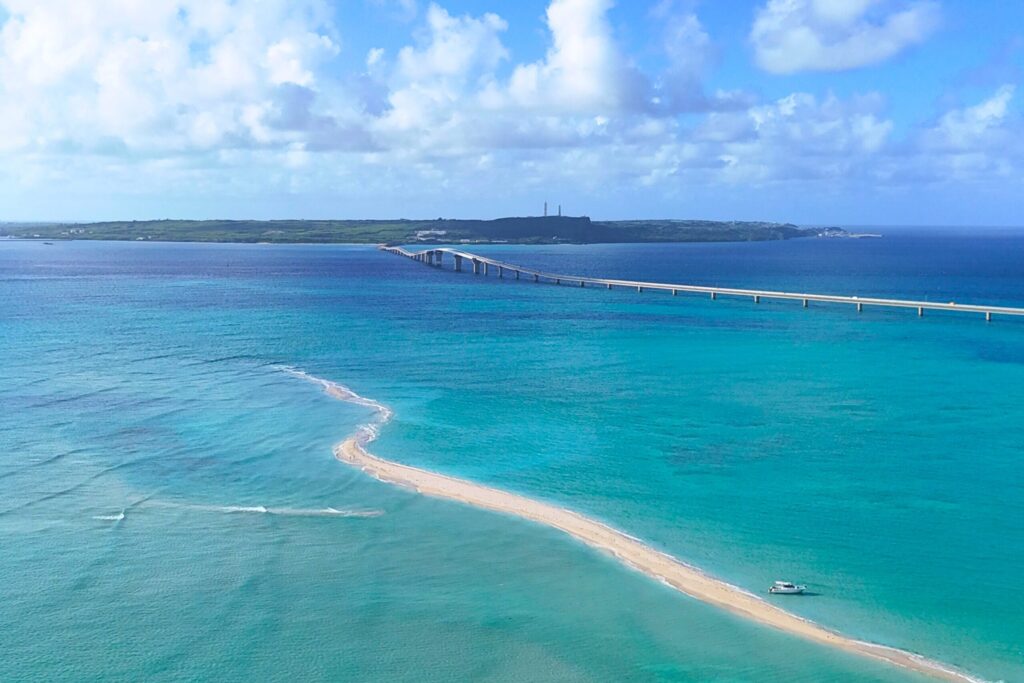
{"points": [[434, 256]]}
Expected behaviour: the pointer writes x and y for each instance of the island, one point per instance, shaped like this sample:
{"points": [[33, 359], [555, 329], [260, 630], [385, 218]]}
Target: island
{"points": [[833, 232], [513, 230]]}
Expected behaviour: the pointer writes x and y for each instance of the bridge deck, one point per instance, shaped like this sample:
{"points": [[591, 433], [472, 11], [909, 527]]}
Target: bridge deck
{"points": [[756, 294]]}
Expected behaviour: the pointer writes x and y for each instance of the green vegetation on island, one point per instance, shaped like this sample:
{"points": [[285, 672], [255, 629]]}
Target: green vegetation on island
{"points": [[521, 230]]}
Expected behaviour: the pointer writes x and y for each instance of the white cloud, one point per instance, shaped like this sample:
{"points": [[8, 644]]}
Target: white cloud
{"points": [[833, 35], [690, 53], [584, 70], [374, 57], [457, 47], [161, 76], [973, 128], [803, 137], [433, 80], [252, 97], [976, 143], [290, 60], [402, 10]]}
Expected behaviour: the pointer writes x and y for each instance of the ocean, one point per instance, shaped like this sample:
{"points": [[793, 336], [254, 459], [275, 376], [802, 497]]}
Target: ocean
{"points": [[171, 509]]}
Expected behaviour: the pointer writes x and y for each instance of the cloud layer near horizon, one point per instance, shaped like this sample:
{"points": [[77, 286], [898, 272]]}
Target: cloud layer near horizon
{"points": [[252, 96]]}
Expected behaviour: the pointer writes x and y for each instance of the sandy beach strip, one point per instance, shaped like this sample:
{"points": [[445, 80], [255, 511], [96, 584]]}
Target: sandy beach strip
{"points": [[629, 550], [656, 564]]}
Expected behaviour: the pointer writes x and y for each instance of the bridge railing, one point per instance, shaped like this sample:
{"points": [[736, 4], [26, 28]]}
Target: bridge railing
{"points": [[428, 256]]}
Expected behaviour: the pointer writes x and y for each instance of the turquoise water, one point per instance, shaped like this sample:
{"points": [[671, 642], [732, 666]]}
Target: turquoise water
{"points": [[145, 426]]}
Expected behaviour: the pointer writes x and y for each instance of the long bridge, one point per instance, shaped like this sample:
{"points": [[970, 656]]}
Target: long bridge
{"points": [[483, 265]]}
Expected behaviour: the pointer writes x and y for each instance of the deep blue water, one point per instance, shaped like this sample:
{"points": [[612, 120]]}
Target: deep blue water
{"points": [[876, 457]]}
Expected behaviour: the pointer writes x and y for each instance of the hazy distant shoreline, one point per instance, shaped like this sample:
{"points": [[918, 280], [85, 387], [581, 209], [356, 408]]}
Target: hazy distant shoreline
{"points": [[514, 230]]}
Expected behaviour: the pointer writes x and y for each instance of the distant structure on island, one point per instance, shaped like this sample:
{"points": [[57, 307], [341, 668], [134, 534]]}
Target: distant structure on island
{"points": [[546, 210]]}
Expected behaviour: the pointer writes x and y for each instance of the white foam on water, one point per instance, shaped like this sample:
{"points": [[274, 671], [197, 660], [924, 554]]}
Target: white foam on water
{"points": [[365, 433], [264, 510]]}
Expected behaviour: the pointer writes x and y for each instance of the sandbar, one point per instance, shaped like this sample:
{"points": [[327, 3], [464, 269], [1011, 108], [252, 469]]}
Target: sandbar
{"points": [[631, 551]]}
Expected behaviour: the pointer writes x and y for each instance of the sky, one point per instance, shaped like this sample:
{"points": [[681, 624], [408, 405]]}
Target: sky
{"points": [[872, 112]]}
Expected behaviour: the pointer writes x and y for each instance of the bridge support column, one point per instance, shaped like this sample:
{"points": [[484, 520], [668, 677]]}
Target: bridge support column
{"points": [[639, 289], [582, 283], [860, 307], [609, 285], [476, 267], [501, 272], [920, 311], [675, 292], [558, 282], [517, 274], [805, 303], [714, 295], [536, 278], [440, 258], [757, 298], [458, 263], [988, 316], [487, 268]]}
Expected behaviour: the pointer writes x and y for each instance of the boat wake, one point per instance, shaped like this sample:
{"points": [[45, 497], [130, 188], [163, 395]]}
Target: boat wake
{"points": [[244, 509], [264, 510], [629, 550], [289, 512]]}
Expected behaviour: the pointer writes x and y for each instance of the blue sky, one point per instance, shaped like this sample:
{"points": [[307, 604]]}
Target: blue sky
{"points": [[810, 111]]}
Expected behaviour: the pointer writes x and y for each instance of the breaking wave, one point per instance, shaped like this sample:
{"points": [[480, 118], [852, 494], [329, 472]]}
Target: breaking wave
{"points": [[264, 510], [364, 433]]}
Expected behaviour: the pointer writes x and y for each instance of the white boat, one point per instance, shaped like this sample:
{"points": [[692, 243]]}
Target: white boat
{"points": [[786, 588]]}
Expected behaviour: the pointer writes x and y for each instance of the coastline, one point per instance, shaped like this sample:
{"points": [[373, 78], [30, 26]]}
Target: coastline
{"points": [[629, 550]]}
